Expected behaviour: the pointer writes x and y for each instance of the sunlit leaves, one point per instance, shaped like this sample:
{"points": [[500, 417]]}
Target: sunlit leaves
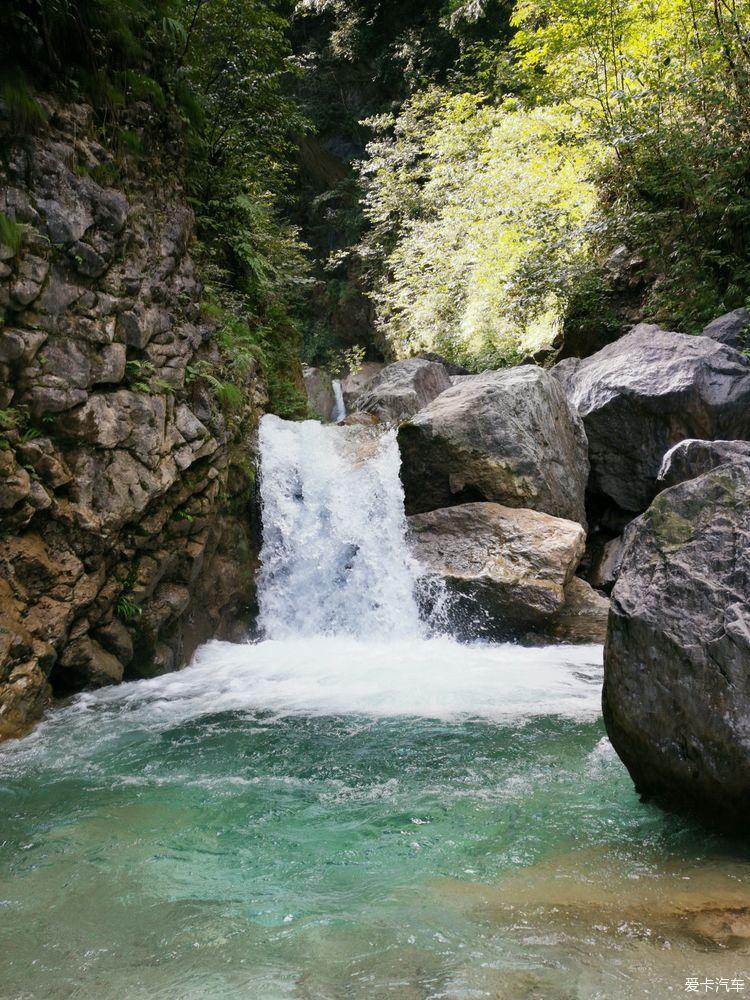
{"points": [[484, 210]]}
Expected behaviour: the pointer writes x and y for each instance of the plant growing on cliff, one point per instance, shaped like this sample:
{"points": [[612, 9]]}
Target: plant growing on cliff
{"points": [[127, 610]]}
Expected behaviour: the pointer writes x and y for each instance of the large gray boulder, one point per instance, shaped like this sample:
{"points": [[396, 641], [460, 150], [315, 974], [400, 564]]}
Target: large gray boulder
{"points": [[693, 457], [451, 368], [730, 329], [643, 394], [677, 659], [400, 390], [319, 389], [354, 384], [504, 567], [508, 436]]}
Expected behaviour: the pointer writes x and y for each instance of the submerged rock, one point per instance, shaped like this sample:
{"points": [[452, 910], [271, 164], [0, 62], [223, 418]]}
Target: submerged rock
{"points": [[677, 659], [693, 457], [402, 389], [509, 437], [505, 567], [644, 393]]}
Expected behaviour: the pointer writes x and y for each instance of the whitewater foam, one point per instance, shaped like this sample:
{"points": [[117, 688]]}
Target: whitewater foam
{"points": [[334, 558], [436, 678]]}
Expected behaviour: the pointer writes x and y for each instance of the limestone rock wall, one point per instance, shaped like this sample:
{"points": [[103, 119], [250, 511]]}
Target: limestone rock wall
{"points": [[125, 492]]}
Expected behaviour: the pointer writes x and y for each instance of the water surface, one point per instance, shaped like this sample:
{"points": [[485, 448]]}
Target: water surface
{"points": [[334, 819]]}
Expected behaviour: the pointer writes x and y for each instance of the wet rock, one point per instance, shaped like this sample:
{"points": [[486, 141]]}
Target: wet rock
{"points": [[58, 295], [504, 566], [400, 390], [189, 426], [677, 659], [642, 394], [12, 345], [50, 399], [29, 280], [108, 364], [87, 261], [115, 486], [15, 483], [64, 365], [360, 420], [116, 640], [23, 698], [67, 220], [583, 616], [730, 329], [87, 664], [693, 457], [509, 437], [136, 328], [121, 419], [25, 662], [319, 388]]}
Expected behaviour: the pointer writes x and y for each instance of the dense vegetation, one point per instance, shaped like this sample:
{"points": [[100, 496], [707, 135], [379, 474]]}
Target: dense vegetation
{"points": [[502, 192], [470, 175]]}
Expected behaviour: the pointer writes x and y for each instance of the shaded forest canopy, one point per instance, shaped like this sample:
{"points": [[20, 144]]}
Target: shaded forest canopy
{"points": [[471, 177]]}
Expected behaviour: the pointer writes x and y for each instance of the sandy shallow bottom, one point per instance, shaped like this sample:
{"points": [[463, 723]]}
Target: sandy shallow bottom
{"points": [[326, 820]]}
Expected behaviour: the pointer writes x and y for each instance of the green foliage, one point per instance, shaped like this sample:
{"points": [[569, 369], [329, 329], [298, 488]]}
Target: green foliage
{"points": [[11, 233], [23, 111], [18, 419], [9, 419], [140, 376], [127, 610], [665, 88], [479, 219], [346, 361], [129, 141], [491, 217]]}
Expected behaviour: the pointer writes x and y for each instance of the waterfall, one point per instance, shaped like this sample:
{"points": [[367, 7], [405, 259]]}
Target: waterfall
{"points": [[339, 407], [334, 558]]}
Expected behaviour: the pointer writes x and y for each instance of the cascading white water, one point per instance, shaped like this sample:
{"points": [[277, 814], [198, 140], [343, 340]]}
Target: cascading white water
{"points": [[334, 559], [339, 406]]}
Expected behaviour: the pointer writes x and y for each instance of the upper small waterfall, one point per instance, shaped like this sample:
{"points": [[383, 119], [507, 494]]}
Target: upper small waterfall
{"points": [[334, 558], [339, 406]]}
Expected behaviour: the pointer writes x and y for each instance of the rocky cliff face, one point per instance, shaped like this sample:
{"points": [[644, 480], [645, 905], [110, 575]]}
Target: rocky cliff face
{"points": [[124, 489]]}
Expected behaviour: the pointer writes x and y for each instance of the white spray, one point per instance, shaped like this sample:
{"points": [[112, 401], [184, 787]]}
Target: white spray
{"points": [[339, 406]]}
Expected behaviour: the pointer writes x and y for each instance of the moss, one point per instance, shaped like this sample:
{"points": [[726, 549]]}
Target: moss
{"points": [[11, 234], [670, 529]]}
